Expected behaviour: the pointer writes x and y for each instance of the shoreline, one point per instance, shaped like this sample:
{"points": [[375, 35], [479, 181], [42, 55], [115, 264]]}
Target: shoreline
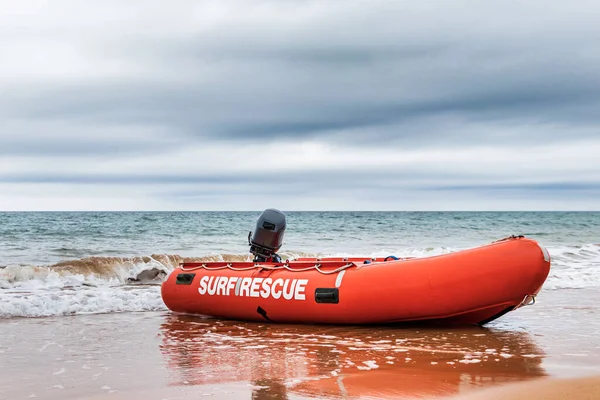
{"points": [[165, 356], [549, 388]]}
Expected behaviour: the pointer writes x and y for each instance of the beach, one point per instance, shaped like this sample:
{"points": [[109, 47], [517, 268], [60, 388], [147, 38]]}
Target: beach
{"points": [[165, 356], [81, 315], [294, 200]]}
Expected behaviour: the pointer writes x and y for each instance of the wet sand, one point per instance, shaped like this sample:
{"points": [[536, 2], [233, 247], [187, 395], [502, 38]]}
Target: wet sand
{"points": [[159, 355], [586, 388]]}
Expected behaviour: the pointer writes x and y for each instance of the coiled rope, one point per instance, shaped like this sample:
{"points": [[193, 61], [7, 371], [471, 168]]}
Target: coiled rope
{"points": [[316, 267]]}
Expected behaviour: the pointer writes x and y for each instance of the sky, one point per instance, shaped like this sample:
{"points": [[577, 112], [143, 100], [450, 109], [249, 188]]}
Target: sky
{"points": [[299, 105]]}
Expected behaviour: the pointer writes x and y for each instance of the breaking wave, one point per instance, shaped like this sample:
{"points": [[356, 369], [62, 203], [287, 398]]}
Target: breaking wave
{"points": [[93, 285], [132, 284], [115, 270], [574, 267]]}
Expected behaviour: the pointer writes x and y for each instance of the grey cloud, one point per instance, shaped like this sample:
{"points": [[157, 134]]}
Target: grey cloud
{"points": [[554, 187], [190, 113], [313, 180], [394, 195], [76, 147], [58, 135], [320, 178], [384, 74]]}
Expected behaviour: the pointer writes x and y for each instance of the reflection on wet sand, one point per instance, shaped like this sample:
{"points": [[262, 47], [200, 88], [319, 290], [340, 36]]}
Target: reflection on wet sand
{"points": [[328, 361]]}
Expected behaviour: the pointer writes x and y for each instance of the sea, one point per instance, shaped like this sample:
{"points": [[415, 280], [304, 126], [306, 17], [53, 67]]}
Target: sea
{"points": [[65, 263], [83, 288]]}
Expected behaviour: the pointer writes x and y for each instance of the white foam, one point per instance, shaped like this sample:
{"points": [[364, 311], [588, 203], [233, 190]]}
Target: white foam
{"points": [[381, 253], [80, 300], [35, 291], [470, 361], [34, 277], [369, 365], [574, 267]]}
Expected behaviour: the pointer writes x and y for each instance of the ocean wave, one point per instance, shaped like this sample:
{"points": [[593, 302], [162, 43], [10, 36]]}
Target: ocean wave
{"points": [[146, 269], [574, 267], [129, 284], [113, 270], [83, 299]]}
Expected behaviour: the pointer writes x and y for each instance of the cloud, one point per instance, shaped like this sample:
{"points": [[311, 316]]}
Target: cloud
{"points": [[451, 95]]}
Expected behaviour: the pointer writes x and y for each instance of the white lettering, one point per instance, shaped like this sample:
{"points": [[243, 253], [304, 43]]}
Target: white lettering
{"points": [[231, 284], [245, 288], [255, 286], [237, 286], [288, 295], [300, 288], [222, 285], [288, 289], [212, 288], [203, 282], [266, 288], [277, 294]]}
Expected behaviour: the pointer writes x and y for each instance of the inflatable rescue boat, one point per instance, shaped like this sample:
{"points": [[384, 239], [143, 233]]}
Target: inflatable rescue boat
{"points": [[472, 286]]}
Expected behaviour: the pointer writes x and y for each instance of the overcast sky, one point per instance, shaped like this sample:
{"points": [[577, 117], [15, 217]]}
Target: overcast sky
{"points": [[299, 105]]}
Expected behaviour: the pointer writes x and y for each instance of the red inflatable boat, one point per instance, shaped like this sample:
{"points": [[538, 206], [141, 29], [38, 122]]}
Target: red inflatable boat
{"points": [[471, 286]]}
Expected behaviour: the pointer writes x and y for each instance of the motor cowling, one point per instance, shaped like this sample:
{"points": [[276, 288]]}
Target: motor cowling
{"points": [[267, 237]]}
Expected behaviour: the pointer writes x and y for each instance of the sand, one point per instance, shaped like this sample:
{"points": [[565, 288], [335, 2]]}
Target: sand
{"points": [[158, 355], [586, 388], [545, 389]]}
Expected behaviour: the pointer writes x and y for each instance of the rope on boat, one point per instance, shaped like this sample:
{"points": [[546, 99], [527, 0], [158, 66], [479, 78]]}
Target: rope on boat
{"points": [[268, 268], [314, 267]]}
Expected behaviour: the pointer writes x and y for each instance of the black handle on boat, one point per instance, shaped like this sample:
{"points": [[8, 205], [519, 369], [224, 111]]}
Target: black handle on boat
{"points": [[390, 257]]}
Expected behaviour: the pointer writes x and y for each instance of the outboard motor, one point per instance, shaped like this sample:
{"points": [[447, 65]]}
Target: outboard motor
{"points": [[268, 236]]}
